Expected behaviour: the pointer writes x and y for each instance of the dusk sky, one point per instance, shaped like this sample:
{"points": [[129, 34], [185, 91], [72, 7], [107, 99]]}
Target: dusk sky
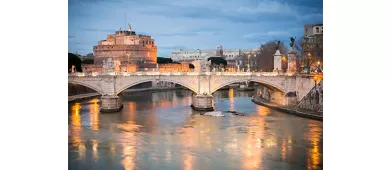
{"points": [[191, 24]]}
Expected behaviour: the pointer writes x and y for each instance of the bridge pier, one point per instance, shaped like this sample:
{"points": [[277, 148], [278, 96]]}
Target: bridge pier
{"points": [[111, 103], [202, 102]]}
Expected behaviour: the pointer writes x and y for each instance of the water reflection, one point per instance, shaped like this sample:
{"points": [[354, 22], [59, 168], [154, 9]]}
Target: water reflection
{"points": [[252, 150], [76, 130], [314, 153], [95, 152], [94, 114], [161, 131], [231, 99]]}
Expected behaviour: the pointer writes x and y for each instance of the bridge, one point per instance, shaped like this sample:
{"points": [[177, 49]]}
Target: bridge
{"points": [[202, 83]]}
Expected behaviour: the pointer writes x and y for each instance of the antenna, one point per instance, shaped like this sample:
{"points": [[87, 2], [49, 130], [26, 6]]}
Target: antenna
{"points": [[125, 18]]}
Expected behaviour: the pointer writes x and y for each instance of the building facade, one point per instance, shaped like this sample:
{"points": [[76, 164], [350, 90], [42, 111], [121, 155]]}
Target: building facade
{"points": [[313, 29], [127, 47], [232, 56], [313, 46], [227, 54]]}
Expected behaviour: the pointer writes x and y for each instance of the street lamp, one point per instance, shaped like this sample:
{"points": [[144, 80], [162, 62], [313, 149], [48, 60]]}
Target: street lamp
{"points": [[200, 53], [254, 62]]}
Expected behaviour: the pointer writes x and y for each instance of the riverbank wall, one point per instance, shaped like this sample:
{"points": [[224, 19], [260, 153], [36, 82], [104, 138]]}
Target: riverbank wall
{"points": [[290, 110], [313, 101]]}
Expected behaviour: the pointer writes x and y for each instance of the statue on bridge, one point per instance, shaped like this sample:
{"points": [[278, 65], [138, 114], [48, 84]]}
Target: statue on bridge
{"points": [[73, 69], [292, 41], [117, 65], [205, 65], [277, 45], [108, 65]]}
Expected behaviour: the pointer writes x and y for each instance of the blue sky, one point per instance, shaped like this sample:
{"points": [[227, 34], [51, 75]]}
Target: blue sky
{"points": [[191, 24]]}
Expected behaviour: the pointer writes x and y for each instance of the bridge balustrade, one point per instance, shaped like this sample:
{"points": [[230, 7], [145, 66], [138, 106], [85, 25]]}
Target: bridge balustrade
{"points": [[153, 73]]}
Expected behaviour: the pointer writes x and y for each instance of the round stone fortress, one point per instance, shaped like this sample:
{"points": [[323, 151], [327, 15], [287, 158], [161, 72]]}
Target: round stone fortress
{"points": [[127, 47]]}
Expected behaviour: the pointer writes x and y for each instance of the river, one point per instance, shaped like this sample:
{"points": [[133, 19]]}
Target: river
{"points": [[160, 131]]}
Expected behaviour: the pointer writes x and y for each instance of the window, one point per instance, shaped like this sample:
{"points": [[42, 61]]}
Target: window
{"points": [[317, 30]]}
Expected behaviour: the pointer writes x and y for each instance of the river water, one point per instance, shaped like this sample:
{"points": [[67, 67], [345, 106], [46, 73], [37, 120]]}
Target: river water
{"points": [[160, 131]]}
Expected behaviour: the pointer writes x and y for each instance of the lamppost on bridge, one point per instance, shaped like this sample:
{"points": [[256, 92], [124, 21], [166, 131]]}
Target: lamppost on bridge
{"points": [[200, 53], [254, 64]]}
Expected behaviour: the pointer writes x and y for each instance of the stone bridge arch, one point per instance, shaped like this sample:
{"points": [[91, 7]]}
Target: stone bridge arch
{"points": [[89, 84], [272, 85], [185, 81]]}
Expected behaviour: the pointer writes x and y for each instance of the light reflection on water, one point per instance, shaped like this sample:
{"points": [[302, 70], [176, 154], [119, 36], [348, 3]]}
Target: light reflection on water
{"points": [[160, 131]]}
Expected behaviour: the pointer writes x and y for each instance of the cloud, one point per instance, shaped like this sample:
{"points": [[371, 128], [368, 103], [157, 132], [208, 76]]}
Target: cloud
{"points": [[176, 34], [283, 35], [268, 7], [193, 24], [267, 34], [171, 47], [191, 32], [86, 2], [97, 30], [202, 13], [316, 17]]}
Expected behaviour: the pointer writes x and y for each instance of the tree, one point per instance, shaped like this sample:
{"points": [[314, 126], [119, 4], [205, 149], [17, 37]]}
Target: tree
{"points": [[162, 60], [192, 66], [312, 52], [265, 58], [89, 55], [74, 60], [298, 48], [88, 61], [217, 60]]}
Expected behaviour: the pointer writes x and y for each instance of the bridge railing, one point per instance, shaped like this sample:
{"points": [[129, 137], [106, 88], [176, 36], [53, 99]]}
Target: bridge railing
{"points": [[152, 73]]}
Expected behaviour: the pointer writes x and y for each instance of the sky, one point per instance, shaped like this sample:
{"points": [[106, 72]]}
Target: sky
{"points": [[191, 24]]}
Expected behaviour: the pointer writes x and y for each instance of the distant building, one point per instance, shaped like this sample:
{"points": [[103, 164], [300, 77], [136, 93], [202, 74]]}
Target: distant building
{"points": [[313, 29], [232, 56], [313, 42], [127, 47], [227, 54]]}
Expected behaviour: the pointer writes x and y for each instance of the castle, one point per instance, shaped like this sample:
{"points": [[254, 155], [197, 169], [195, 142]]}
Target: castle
{"points": [[127, 47]]}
